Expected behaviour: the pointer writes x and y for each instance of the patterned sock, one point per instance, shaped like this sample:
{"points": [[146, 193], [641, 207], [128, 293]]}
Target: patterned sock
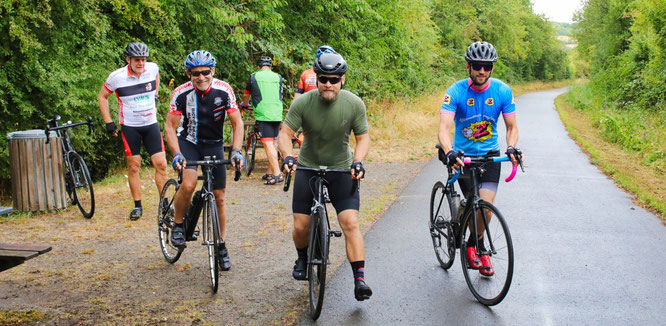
{"points": [[358, 267]]}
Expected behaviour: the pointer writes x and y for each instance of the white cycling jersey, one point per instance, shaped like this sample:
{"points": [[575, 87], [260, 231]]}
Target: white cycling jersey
{"points": [[136, 96]]}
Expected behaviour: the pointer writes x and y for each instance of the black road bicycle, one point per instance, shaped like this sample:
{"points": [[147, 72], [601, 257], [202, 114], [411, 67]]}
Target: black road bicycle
{"points": [[78, 184], [320, 236], [452, 221], [203, 200]]}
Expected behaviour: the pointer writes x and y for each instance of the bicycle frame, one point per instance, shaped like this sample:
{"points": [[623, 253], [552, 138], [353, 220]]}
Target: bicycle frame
{"points": [[61, 131]]}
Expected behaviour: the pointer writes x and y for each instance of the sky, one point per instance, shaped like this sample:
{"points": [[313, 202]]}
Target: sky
{"points": [[560, 11]]}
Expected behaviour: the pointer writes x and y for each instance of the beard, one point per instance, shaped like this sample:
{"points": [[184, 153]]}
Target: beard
{"points": [[329, 97], [478, 81]]}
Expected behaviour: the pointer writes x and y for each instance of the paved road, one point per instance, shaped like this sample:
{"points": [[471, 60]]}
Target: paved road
{"points": [[585, 254]]}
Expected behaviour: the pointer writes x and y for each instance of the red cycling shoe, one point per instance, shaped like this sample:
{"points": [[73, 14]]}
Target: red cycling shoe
{"points": [[473, 259], [487, 268]]}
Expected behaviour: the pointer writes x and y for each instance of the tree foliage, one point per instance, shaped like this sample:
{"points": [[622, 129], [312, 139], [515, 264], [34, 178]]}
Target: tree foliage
{"points": [[56, 54]]}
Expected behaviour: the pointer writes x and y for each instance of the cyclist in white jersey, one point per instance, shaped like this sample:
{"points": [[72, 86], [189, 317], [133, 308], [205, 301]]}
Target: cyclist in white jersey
{"points": [[136, 86]]}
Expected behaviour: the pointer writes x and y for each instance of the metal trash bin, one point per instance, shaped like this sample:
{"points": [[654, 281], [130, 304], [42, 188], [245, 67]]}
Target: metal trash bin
{"points": [[37, 171]]}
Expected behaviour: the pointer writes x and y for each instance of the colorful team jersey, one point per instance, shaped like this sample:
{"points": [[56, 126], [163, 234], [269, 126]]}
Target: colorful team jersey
{"points": [[136, 96], [476, 114], [202, 113], [307, 82]]}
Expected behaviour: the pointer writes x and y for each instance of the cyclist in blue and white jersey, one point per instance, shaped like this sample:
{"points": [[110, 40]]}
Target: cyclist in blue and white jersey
{"points": [[136, 86], [195, 128], [474, 106]]}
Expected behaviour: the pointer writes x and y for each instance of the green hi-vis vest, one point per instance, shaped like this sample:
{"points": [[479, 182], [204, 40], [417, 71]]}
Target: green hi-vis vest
{"points": [[266, 90]]}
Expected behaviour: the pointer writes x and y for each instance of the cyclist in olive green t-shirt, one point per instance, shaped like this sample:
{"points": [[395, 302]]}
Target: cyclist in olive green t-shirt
{"points": [[328, 115], [265, 87]]}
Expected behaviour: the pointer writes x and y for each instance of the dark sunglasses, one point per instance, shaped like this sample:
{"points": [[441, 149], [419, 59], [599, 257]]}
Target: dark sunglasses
{"points": [[333, 80], [478, 66], [203, 72]]}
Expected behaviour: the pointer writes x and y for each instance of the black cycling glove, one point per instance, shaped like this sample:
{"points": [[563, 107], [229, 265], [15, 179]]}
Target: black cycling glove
{"points": [[358, 167], [289, 163], [111, 128], [513, 151], [451, 157]]}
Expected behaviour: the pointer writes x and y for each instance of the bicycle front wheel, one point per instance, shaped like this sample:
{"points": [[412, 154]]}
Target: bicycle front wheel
{"points": [[317, 257], [249, 153], [165, 221], [441, 227], [83, 185], [211, 226], [494, 240]]}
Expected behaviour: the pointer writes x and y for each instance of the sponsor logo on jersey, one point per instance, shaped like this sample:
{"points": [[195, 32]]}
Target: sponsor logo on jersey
{"points": [[149, 87], [141, 98], [490, 101], [470, 102], [478, 131], [447, 99], [218, 101]]}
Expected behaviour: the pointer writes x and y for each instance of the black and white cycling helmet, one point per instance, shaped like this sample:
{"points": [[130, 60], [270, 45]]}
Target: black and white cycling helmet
{"points": [[330, 64], [136, 49], [481, 52], [264, 61]]}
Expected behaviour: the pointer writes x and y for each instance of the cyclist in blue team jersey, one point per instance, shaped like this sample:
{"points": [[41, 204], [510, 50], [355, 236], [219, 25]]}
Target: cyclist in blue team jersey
{"points": [[194, 128], [136, 86], [474, 106]]}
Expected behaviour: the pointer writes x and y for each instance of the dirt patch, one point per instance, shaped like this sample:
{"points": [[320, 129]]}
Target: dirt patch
{"points": [[108, 270]]}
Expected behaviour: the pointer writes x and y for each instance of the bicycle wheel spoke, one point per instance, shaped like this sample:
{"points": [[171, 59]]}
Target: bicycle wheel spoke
{"points": [[165, 221], [82, 185]]}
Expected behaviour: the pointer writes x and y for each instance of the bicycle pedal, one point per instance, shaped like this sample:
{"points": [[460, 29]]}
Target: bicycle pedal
{"points": [[337, 234]]}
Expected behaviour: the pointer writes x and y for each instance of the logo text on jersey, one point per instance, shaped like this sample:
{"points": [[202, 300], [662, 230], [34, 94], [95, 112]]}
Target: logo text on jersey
{"points": [[141, 98], [490, 101], [447, 99], [470, 101], [478, 131], [218, 101]]}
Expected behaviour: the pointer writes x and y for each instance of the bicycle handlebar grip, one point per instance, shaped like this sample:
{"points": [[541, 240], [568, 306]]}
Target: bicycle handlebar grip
{"points": [[237, 176], [467, 160], [287, 182], [513, 173]]}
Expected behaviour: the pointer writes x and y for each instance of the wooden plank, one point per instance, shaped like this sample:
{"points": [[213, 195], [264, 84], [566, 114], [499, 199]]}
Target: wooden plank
{"points": [[21, 247], [58, 170], [16, 175], [48, 176], [40, 186], [25, 200], [9, 262], [30, 169], [21, 254]]}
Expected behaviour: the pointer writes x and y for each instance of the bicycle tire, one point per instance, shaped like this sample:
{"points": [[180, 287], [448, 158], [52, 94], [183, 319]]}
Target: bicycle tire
{"points": [[490, 290], [83, 185], [211, 240], [250, 152], [165, 222], [441, 227], [69, 187], [317, 259]]}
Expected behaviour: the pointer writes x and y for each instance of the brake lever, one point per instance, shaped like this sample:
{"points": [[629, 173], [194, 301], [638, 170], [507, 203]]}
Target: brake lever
{"points": [[90, 125]]}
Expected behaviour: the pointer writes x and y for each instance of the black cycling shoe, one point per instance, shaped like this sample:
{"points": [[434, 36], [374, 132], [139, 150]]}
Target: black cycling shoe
{"points": [[299, 272], [361, 290], [178, 237], [136, 213], [223, 259]]}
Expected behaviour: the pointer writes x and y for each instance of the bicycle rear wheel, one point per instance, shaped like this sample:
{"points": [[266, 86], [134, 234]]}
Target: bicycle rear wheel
{"points": [[212, 239], [441, 227], [249, 153], [317, 257], [496, 242], [83, 185], [165, 221]]}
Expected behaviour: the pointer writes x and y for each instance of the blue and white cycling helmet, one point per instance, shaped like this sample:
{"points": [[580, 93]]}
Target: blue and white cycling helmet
{"points": [[199, 58], [324, 49]]}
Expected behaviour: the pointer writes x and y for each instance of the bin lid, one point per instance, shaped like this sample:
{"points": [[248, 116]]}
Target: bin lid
{"points": [[30, 134]]}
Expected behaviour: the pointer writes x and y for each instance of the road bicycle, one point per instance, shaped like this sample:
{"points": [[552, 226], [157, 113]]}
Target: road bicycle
{"points": [[320, 236], [453, 220], [78, 183], [203, 200]]}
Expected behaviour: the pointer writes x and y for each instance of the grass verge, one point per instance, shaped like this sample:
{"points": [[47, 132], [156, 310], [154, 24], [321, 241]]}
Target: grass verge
{"points": [[646, 183]]}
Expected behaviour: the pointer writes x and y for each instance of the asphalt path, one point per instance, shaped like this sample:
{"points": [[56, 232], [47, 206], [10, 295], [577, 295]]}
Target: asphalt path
{"points": [[584, 253]]}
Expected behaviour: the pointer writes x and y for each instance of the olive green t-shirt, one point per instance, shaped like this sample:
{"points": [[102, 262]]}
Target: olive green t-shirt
{"points": [[327, 128]]}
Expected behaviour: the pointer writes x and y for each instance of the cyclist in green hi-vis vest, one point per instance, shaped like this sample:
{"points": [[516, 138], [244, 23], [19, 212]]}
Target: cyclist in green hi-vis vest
{"points": [[265, 87]]}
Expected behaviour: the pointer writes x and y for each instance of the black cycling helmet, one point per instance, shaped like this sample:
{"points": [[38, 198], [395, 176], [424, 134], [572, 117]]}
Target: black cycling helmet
{"points": [[264, 61], [136, 49], [481, 52], [330, 64]]}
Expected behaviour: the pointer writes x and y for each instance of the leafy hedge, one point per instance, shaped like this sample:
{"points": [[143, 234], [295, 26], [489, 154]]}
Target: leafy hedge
{"points": [[56, 54]]}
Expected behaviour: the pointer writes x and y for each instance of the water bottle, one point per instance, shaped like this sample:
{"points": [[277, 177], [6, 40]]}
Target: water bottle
{"points": [[192, 215], [455, 205]]}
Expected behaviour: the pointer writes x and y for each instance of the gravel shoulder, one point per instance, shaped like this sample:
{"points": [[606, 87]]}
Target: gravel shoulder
{"points": [[109, 270]]}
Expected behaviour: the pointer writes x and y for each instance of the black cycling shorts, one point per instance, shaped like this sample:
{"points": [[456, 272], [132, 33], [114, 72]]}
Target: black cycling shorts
{"points": [[268, 130], [491, 175], [196, 152], [339, 186], [150, 136]]}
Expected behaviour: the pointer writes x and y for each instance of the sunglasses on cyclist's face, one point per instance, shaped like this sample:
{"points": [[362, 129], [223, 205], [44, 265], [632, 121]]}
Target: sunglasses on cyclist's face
{"points": [[325, 79], [477, 66], [203, 72]]}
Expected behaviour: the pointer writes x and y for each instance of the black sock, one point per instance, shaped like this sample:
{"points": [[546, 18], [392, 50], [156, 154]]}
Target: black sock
{"points": [[302, 253], [178, 224], [137, 203], [358, 267]]}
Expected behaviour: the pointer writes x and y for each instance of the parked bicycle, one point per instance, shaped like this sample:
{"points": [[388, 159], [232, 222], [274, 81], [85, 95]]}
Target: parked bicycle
{"points": [[453, 220], [78, 183], [320, 237], [202, 200]]}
